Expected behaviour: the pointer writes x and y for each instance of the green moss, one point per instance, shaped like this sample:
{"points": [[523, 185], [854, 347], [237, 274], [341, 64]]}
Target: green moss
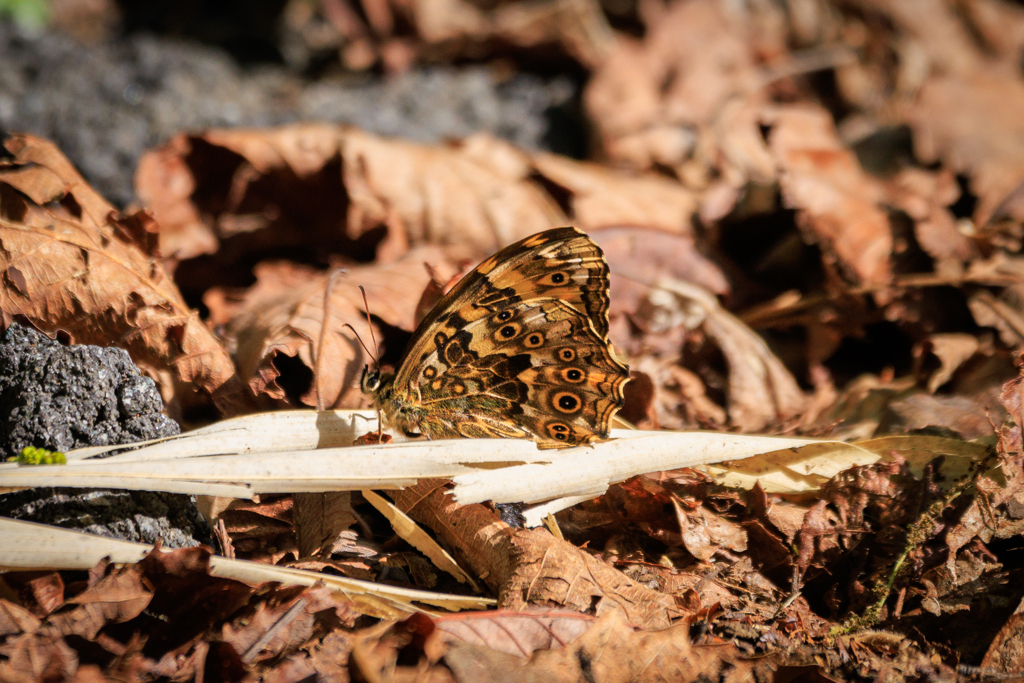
{"points": [[30, 455]]}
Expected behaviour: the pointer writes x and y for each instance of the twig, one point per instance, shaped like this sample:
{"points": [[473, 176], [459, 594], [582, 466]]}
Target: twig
{"points": [[271, 632]]}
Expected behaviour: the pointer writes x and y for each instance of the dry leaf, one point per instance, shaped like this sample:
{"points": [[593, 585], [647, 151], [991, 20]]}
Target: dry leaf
{"points": [[761, 390], [73, 263], [837, 202], [925, 197], [531, 566], [952, 350], [650, 99], [320, 518], [479, 193], [414, 535], [1005, 655], [118, 597], [609, 651], [284, 313], [968, 122], [514, 633]]}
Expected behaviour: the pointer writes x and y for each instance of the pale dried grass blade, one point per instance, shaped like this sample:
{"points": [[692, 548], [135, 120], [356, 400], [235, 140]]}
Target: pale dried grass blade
{"points": [[414, 535], [588, 471], [283, 430], [30, 546], [332, 469]]}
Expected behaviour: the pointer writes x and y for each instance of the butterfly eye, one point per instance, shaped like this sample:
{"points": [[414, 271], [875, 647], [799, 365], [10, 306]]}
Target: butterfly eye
{"points": [[567, 354], [504, 315], [370, 381], [534, 340]]}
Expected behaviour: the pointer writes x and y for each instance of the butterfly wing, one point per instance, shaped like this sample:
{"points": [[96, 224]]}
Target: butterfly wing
{"points": [[518, 348]]}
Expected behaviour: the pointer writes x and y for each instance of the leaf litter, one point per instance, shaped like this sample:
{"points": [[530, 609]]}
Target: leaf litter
{"points": [[812, 212]]}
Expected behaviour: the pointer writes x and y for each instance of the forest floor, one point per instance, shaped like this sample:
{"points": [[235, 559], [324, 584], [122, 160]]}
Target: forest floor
{"points": [[812, 214]]}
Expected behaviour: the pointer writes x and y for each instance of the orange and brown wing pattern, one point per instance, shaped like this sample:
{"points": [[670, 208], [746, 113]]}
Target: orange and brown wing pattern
{"points": [[517, 349], [541, 372]]}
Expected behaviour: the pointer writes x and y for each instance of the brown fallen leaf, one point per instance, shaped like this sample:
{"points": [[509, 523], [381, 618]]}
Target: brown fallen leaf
{"points": [[283, 316], [1006, 653], [69, 261], [967, 416], [31, 658], [966, 121], [16, 619], [327, 657], [40, 592], [279, 625], [262, 531], [642, 502], [397, 34], [320, 518], [926, 198], [837, 202], [960, 84], [528, 566], [330, 189], [118, 597], [610, 651], [761, 389], [1004, 312], [514, 633], [651, 99], [639, 257], [952, 350]]}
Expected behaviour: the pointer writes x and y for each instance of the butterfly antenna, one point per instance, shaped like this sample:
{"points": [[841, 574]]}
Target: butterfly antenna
{"points": [[369, 323], [361, 342]]}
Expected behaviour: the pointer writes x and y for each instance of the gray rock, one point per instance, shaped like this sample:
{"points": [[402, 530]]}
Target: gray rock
{"points": [[104, 105], [63, 397], [60, 398]]}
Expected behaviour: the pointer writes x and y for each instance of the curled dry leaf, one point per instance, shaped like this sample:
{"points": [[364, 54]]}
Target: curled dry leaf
{"points": [[323, 188], [302, 313], [952, 350], [69, 261], [761, 390]]}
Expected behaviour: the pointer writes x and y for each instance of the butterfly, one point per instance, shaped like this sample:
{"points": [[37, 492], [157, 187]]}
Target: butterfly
{"points": [[517, 349]]}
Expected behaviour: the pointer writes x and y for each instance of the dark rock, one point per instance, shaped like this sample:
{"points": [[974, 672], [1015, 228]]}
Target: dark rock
{"points": [[105, 104], [63, 397], [60, 398], [140, 516]]}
